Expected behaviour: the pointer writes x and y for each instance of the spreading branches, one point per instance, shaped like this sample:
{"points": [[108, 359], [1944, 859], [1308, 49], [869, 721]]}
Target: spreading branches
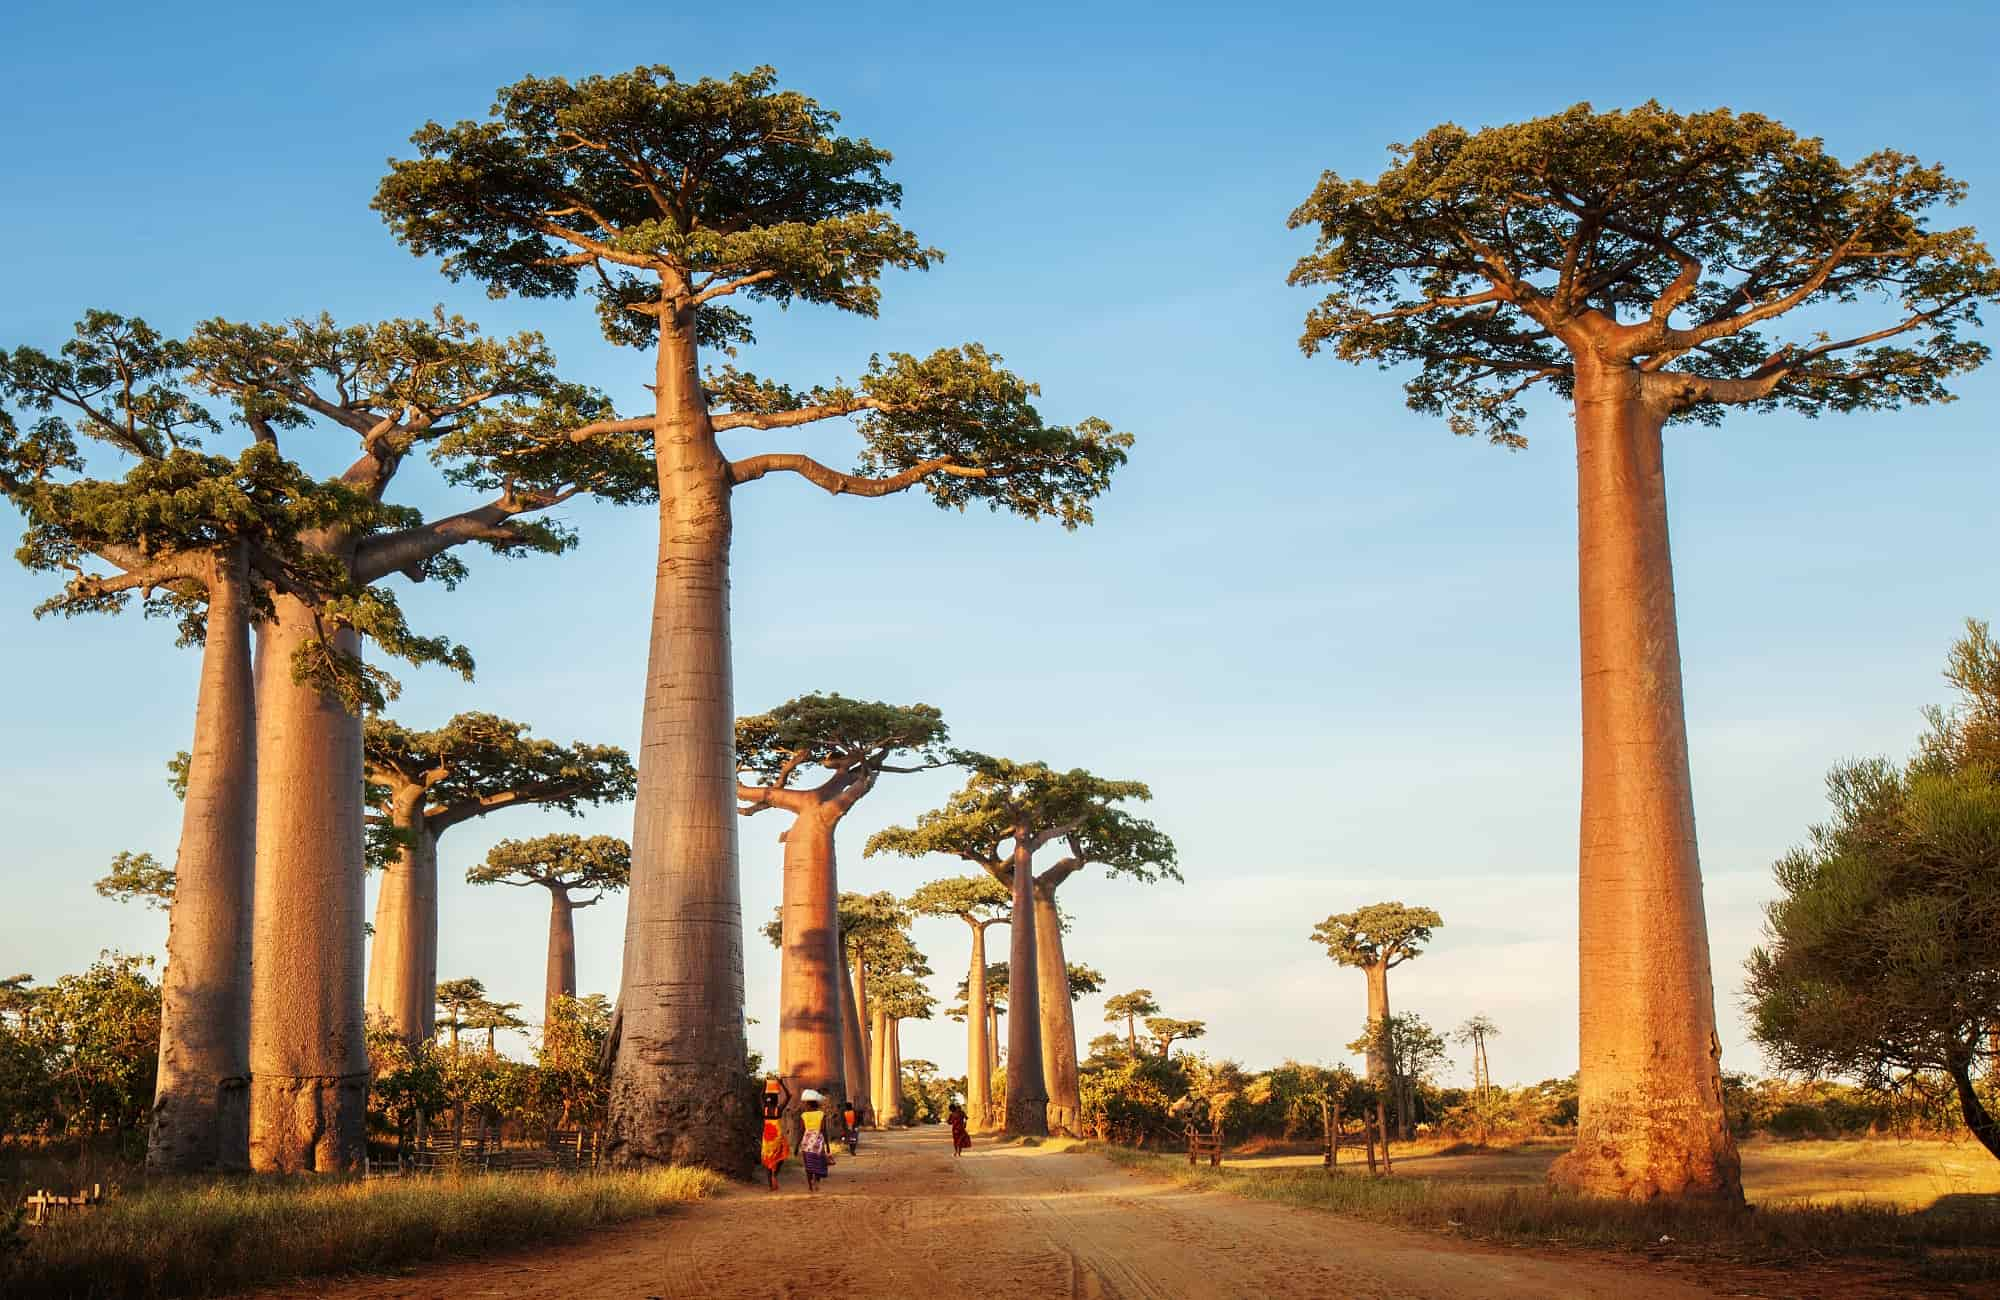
{"points": [[560, 864], [847, 743], [1381, 934], [1643, 239], [479, 763]]}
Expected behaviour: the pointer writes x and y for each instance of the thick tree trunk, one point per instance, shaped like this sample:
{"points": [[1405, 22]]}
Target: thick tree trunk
{"points": [[681, 1091], [896, 1072], [1058, 1015], [1027, 1091], [878, 1072], [560, 981], [308, 1052], [809, 1052], [992, 1039], [1649, 1085], [1378, 1011], [853, 1046], [402, 959], [978, 1051], [201, 1105]]}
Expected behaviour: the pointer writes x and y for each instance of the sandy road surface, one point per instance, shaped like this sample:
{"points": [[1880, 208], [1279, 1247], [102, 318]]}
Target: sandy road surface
{"points": [[904, 1219]]}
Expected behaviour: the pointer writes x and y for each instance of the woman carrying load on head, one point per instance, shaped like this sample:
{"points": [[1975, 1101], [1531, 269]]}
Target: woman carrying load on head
{"points": [[812, 1141], [776, 1097], [960, 1139]]}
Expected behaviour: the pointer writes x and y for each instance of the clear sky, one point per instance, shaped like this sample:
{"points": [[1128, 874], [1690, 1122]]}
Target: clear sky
{"points": [[1339, 643]]}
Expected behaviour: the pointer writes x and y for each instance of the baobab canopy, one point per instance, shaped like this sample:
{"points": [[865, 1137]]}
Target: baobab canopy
{"points": [[1484, 258]]}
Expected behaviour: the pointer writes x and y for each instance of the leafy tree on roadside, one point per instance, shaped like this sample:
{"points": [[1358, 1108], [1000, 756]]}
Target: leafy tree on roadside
{"points": [[668, 202], [1376, 939], [1167, 1031], [981, 902], [1643, 265], [561, 864], [1131, 1008]]}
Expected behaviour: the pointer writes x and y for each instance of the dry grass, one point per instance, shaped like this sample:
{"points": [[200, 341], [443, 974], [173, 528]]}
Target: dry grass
{"points": [[214, 1237], [1957, 1240]]}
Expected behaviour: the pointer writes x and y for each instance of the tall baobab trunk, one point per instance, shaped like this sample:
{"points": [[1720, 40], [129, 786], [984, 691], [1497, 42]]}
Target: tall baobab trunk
{"points": [[1649, 1085], [1027, 1092], [978, 1048], [560, 981], [992, 1039], [308, 1053], [201, 1107], [878, 1069], [896, 1071], [1378, 1011], [853, 1045], [681, 1092], [1058, 1016], [809, 1050], [402, 959]]}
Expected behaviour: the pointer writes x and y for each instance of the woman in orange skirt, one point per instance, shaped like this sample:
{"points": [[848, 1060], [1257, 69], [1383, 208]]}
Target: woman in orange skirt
{"points": [[776, 1097]]}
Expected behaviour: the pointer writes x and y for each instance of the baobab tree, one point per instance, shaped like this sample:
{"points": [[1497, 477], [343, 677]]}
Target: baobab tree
{"points": [[669, 201], [423, 783], [873, 927], [459, 998], [899, 995], [490, 411], [1004, 815], [1167, 1031], [561, 864], [1375, 940], [844, 746], [1130, 1008], [1633, 262], [996, 1007], [981, 902], [209, 540]]}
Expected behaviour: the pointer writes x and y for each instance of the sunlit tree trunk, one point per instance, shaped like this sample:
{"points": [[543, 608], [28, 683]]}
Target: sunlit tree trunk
{"points": [[680, 1087], [992, 1039], [1058, 1017], [1378, 1011], [1649, 1086], [978, 1049], [560, 981], [308, 1054], [854, 1046], [201, 1105], [1027, 1092], [878, 1086], [809, 1053], [402, 959], [896, 1071]]}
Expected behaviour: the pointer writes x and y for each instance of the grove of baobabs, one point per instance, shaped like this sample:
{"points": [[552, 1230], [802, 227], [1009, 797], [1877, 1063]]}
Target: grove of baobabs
{"points": [[628, 847]]}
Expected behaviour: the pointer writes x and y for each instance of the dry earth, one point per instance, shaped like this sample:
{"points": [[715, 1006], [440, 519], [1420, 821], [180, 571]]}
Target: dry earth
{"points": [[904, 1219]]}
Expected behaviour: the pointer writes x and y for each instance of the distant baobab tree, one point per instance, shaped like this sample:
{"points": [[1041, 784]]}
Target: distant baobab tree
{"points": [[981, 902], [1375, 940], [1167, 1031], [1637, 263], [1131, 1008], [563, 865]]}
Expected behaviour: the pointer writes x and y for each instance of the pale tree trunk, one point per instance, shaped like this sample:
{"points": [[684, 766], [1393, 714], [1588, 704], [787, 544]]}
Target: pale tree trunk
{"points": [[201, 1105], [896, 1071], [809, 1051], [560, 980], [308, 1053], [978, 1049], [402, 959], [1649, 1085], [878, 1071], [853, 1047], [992, 1040], [681, 1091], [1027, 1091], [1378, 1011], [1058, 1016]]}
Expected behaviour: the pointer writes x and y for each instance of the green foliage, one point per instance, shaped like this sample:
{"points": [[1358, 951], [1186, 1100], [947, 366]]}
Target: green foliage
{"points": [[900, 994], [1408, 1045], [574, 1077], [1167, 1031], [1131, 1099], [1136, 1005], [79, 1056], [1387, 934], [479, 761], [560, 862], [976, 899], [138, 876], [850, 741], [1662, 241]]}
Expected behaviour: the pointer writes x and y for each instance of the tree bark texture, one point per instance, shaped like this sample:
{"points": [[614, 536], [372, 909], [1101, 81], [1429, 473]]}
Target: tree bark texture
{"points": [[809, 1027], [978, 1053], [1649, 1085], [1378, 1011], [201, 1105], [402, 958], [853, 1046], [681, 1092], [896, 1072], [878, 1071], [1977, 1118], [308, 1052], [560, 981], [1058, 1016], [992, 1039], [1027, 1091]]}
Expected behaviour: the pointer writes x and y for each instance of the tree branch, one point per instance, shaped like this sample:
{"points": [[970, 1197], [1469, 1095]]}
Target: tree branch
{"points": [[839, 484]]}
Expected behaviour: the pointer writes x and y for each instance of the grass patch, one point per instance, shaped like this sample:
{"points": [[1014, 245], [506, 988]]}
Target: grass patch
{"points": [[1958, 1242], [215, 1237]]}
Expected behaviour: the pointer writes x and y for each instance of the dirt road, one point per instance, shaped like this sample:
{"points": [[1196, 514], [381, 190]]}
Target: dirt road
{"points": [[904, 1219]]}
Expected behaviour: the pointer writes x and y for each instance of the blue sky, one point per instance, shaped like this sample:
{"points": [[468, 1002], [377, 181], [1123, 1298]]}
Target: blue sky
{"points": [[1338, 642]]}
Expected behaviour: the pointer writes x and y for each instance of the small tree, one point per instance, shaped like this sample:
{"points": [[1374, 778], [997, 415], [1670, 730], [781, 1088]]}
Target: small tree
{"points": [[667, 201], [1474, 1033], [423, 783], [1633, 261], [1131, 1008], [847, 745], [1167, 1031], [561, 864], [459, 998], [574, 1073], [981, 902], [1376, 939], [138, 876], [1411, 1051]]}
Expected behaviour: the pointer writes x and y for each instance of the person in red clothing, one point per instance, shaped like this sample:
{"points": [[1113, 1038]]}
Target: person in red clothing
{"points": [[960, 1139]]}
